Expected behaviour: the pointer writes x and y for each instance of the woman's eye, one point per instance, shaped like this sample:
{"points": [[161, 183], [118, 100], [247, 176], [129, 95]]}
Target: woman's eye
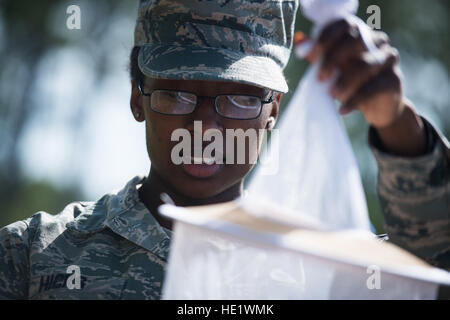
{"points": [[169, 95], [185, 98], [243, 101]]}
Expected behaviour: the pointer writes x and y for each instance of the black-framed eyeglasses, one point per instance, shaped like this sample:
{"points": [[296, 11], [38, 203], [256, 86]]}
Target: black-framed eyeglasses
{"points": [[232, 106]]}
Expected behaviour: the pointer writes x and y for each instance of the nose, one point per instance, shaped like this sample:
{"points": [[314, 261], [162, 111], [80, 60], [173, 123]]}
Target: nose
{"points": [[205, 112]]}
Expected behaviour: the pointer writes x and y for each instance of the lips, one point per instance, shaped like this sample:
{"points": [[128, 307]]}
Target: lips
{"points": [[202, 167], [207, 168], [204, 160]]}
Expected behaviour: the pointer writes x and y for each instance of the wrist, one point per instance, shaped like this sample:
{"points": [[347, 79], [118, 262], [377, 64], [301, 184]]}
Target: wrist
{"points": [[406, 135]]}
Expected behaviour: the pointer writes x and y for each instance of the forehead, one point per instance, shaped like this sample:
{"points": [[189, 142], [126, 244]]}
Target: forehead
{"points": [[206, 87]]}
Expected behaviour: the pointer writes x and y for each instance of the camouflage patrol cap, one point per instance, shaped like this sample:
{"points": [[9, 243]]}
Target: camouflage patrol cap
{"points": [[246, 41]]}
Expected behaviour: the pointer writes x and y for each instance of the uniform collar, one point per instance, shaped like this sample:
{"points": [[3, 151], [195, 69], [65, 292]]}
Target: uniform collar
{"points": [[127, 216]]}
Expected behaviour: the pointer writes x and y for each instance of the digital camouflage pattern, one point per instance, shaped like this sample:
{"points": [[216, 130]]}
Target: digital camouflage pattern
{"points": [[119, 247], [247, 41], [414, 196]]}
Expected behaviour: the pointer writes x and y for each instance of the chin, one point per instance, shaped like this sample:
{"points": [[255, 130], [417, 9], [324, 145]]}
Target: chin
{"points": [[202, 188]]}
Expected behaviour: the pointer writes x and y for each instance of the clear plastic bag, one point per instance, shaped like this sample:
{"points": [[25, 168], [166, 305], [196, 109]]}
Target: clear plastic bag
{"points": [[318, 174]]}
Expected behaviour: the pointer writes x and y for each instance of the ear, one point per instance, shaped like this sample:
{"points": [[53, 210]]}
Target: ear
{"points": [[136, 103], [275, 111], [276, 103]]}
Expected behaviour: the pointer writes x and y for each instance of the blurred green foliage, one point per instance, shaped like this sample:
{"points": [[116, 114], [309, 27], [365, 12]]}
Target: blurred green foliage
{"points": [[28, 197], [29, 30]]}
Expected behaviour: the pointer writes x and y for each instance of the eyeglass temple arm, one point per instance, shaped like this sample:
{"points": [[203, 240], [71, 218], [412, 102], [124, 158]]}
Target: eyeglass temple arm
{"points": [[142, 91], [270, 99]]}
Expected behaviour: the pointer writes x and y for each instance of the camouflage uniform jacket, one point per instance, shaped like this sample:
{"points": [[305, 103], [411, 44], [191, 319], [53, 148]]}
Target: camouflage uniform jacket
{"points": [[121, 250], [414, 196], [118, 246]]}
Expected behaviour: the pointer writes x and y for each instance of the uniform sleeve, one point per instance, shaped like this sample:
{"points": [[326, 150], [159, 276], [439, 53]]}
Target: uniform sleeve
{"points": [[14, 260], [414, 196]]}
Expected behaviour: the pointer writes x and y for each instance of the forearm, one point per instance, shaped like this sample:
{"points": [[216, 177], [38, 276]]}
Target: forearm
{"points": [[406, 136], [414, 195]]}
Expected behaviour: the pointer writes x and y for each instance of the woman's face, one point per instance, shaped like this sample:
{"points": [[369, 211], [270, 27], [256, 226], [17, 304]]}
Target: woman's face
{"points": [[199, 181]]}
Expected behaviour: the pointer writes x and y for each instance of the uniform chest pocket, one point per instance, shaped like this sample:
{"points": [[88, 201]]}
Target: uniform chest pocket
{"points": [[63, 287]]}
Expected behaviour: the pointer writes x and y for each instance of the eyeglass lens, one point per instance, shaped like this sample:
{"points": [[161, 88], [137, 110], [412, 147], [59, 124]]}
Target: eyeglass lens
{"points": [[230, 106]]}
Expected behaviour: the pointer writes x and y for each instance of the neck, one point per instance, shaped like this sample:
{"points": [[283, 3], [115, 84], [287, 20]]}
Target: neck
{"points": [[153, 186]]}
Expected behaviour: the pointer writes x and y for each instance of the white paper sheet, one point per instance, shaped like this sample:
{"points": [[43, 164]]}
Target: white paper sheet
{"points": [[220, 253]]}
